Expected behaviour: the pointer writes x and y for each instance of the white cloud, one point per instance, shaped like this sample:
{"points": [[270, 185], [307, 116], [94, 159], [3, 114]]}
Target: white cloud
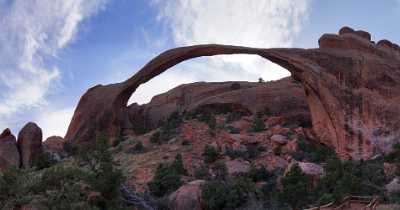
{"points": [[55, 123], [254, 23], [32, 33]]}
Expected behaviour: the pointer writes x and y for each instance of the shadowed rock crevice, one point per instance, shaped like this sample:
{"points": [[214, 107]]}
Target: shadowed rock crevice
{"points": [[350, 109]]}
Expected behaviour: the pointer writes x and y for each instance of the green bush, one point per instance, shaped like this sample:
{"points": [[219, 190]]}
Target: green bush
{"points": [[178, 166], [155, 138], [167, 177], [316, 153], [258, 123], [166, 180], [210, 154], [59, 187], [43, 160], [201, 172], [277, 150], [138, 148], [227, 194], [296, 188], [394, 156], [220, 170], [259, 174]]}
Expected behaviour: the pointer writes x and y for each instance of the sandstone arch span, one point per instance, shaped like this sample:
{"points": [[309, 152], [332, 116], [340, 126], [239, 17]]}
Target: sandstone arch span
{"points": [[351, 85]]}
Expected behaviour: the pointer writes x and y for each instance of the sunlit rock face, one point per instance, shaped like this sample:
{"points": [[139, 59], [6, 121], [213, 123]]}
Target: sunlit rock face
{"points": [[351, 87]]}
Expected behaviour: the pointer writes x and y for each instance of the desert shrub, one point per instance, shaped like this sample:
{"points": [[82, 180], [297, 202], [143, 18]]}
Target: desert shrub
{"points": [[43, 160], [166, 180], [259, 174], [201, 172], [220, 170], [210, 154], [253, 151], [313, 153], [232, 130], [258, 123], [118, 140], [138, 148], [296, 188], [235, 153], [394, 156], [59, 187], [351, 178], [155, 138], [277, 150], [233, 116], [227, 194], [167, 177], [178, 166]]}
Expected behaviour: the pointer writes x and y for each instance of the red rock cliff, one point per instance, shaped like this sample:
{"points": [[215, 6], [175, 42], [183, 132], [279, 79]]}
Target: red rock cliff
{"points": [[351, 86]]}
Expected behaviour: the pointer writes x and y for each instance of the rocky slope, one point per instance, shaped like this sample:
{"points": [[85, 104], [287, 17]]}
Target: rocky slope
{"points": [[350, 84], [283, 97]]}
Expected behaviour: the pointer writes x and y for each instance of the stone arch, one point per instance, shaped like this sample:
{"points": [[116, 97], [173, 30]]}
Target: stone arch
{"points": [[335, 77]]}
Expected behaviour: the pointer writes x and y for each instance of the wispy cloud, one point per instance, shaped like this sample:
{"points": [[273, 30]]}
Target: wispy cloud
{"points": [[254, 23], [32, 33]]}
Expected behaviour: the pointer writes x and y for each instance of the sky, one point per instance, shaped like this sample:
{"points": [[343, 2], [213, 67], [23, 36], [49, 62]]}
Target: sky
{"points": [[52, 51]]}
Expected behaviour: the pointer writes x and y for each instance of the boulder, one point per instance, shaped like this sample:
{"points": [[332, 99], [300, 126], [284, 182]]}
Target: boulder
{"points": [[390, 170], [393, 186], [237, 167], [187, 197], [351, 87], [312, 169], [9, 155], [279, 139], [54, 145], [29, 144]]}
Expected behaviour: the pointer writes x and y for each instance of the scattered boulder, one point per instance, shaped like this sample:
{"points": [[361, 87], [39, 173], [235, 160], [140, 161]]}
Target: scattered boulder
{"points": [[9, 155], [187, 197], [29, 144], [312, 169], [279, 139], [237, 167], [393, 186]]}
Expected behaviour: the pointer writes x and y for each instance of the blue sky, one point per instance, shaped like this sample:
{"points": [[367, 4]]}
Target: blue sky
{"points": [[52, 51]]}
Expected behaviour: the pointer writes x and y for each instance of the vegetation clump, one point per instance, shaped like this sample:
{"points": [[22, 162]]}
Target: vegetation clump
{"points": [[167, 177], [210, 154], [258, 123]]}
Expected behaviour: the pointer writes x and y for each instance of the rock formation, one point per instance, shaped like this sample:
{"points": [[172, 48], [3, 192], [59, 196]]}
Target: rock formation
{"points": [[54, 145], [187, 196], [283, 97], [351, 85], [9, 156], [29, 144]]}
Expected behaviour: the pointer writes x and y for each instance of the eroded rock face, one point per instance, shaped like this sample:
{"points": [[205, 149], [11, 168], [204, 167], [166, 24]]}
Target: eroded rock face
{"points": [[351, 86], [284, 97], [29, 144], [9, 155], [54, 145]]}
